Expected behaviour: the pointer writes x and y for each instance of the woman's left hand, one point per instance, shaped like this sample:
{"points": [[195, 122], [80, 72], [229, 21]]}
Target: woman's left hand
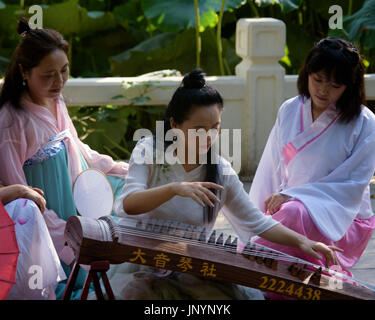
{"points": [[274, 202], [285, 236]]}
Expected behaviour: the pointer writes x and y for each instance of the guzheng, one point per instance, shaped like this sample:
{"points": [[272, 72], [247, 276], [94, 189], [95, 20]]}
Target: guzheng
{"points": [[185, 248]]}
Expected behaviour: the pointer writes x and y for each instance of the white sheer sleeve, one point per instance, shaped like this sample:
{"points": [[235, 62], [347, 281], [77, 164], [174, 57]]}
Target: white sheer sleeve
{"points": [[137, 176], [247, 220]]}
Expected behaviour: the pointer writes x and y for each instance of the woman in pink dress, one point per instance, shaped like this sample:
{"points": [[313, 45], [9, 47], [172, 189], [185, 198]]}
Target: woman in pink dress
{"points": [[39, 145], [316, 168]]}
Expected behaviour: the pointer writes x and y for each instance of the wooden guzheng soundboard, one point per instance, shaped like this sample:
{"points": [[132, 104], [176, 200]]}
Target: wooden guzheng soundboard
{"points": [[185, 248]]}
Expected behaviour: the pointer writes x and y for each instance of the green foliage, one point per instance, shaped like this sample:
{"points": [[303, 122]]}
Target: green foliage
{"points": [[285, 5], [128, 38], [109, 129], [103, 128], [177, 15], [173, 51], [78, 21], [133, 37], [360, 29]]}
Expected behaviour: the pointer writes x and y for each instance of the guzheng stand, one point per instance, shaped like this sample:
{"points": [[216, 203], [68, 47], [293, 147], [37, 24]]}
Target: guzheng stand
{"points": [[92, 276]]}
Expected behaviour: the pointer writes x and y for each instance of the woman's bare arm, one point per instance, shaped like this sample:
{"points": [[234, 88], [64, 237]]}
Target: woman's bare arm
{"points": [[285, 236], [146, 200], [15, 191]]}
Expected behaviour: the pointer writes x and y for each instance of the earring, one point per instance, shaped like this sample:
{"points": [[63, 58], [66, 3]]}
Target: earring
{"points": [[24, 82]]}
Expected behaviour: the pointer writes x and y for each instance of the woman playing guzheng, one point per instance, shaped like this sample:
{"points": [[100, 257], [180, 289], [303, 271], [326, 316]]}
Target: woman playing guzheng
{"points": [[192, 194], [39, 145], [316, 168], [25, 206]]}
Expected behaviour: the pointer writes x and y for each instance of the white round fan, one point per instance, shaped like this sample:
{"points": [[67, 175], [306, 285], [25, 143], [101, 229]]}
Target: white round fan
{"points": [[93, 194]]}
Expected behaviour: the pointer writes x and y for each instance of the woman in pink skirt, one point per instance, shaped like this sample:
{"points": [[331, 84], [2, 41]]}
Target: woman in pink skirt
{"points": [[316, 168]]}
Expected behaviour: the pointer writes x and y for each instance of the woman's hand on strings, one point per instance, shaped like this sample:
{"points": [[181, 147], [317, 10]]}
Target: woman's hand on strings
{"points": [[274, 202], [312, 248], [285, 236], [198, 191]]}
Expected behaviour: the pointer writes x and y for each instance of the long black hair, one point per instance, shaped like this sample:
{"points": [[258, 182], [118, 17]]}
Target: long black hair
{"points": [[191, 94], [33, 47], [341, 60]]}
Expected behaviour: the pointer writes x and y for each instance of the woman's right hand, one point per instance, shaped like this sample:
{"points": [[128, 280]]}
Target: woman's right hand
{"points": [[34, 194], [198, 191], [312, 248]]}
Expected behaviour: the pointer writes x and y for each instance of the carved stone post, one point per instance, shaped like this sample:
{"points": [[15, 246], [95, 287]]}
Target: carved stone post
{"points": [[261, 44]]}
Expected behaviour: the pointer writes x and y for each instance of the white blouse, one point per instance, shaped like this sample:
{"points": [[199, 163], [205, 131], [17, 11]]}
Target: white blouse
{"points": [[245, 218]]}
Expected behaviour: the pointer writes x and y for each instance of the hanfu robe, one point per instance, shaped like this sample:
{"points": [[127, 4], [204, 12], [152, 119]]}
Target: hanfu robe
{"points": [[327, 166], [43, 151], [133, 282], [38, 263]]}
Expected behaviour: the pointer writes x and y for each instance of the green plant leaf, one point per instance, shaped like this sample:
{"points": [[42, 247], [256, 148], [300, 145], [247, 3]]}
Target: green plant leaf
{"points": [[361, 25], [102, 127], [338, 33], [299, 43], [70, 18], [126, 14], [173, 51], [9, 14], [94, 21], [180, 14], [322, 7], [286, 5]]}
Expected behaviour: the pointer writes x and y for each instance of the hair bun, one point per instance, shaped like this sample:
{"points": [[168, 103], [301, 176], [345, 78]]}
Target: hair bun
{"points": [[194, 79], [23, 26]]}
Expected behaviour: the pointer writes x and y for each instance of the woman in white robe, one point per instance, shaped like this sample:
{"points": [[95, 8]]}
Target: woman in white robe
{"points": [[191, 193], [315, 171]]}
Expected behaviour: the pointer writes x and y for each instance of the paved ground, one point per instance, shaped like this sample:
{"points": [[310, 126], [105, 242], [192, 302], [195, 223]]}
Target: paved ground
{"points": [[363, 270]]}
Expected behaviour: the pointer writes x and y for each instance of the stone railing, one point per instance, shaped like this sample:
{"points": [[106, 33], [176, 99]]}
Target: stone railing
{"points": [[252, 97]]}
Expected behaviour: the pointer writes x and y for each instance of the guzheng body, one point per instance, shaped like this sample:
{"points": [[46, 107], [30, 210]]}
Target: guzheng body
{"points": [[183, 248]]}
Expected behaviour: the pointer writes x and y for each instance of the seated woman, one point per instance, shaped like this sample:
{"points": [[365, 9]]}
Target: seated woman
{"points": [[25, 206], [316, 168], [191, 193], [39, 145]]}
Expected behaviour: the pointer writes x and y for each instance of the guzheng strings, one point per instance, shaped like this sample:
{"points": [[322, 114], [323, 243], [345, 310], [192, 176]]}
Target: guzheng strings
{"points": [[198, 235]]}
